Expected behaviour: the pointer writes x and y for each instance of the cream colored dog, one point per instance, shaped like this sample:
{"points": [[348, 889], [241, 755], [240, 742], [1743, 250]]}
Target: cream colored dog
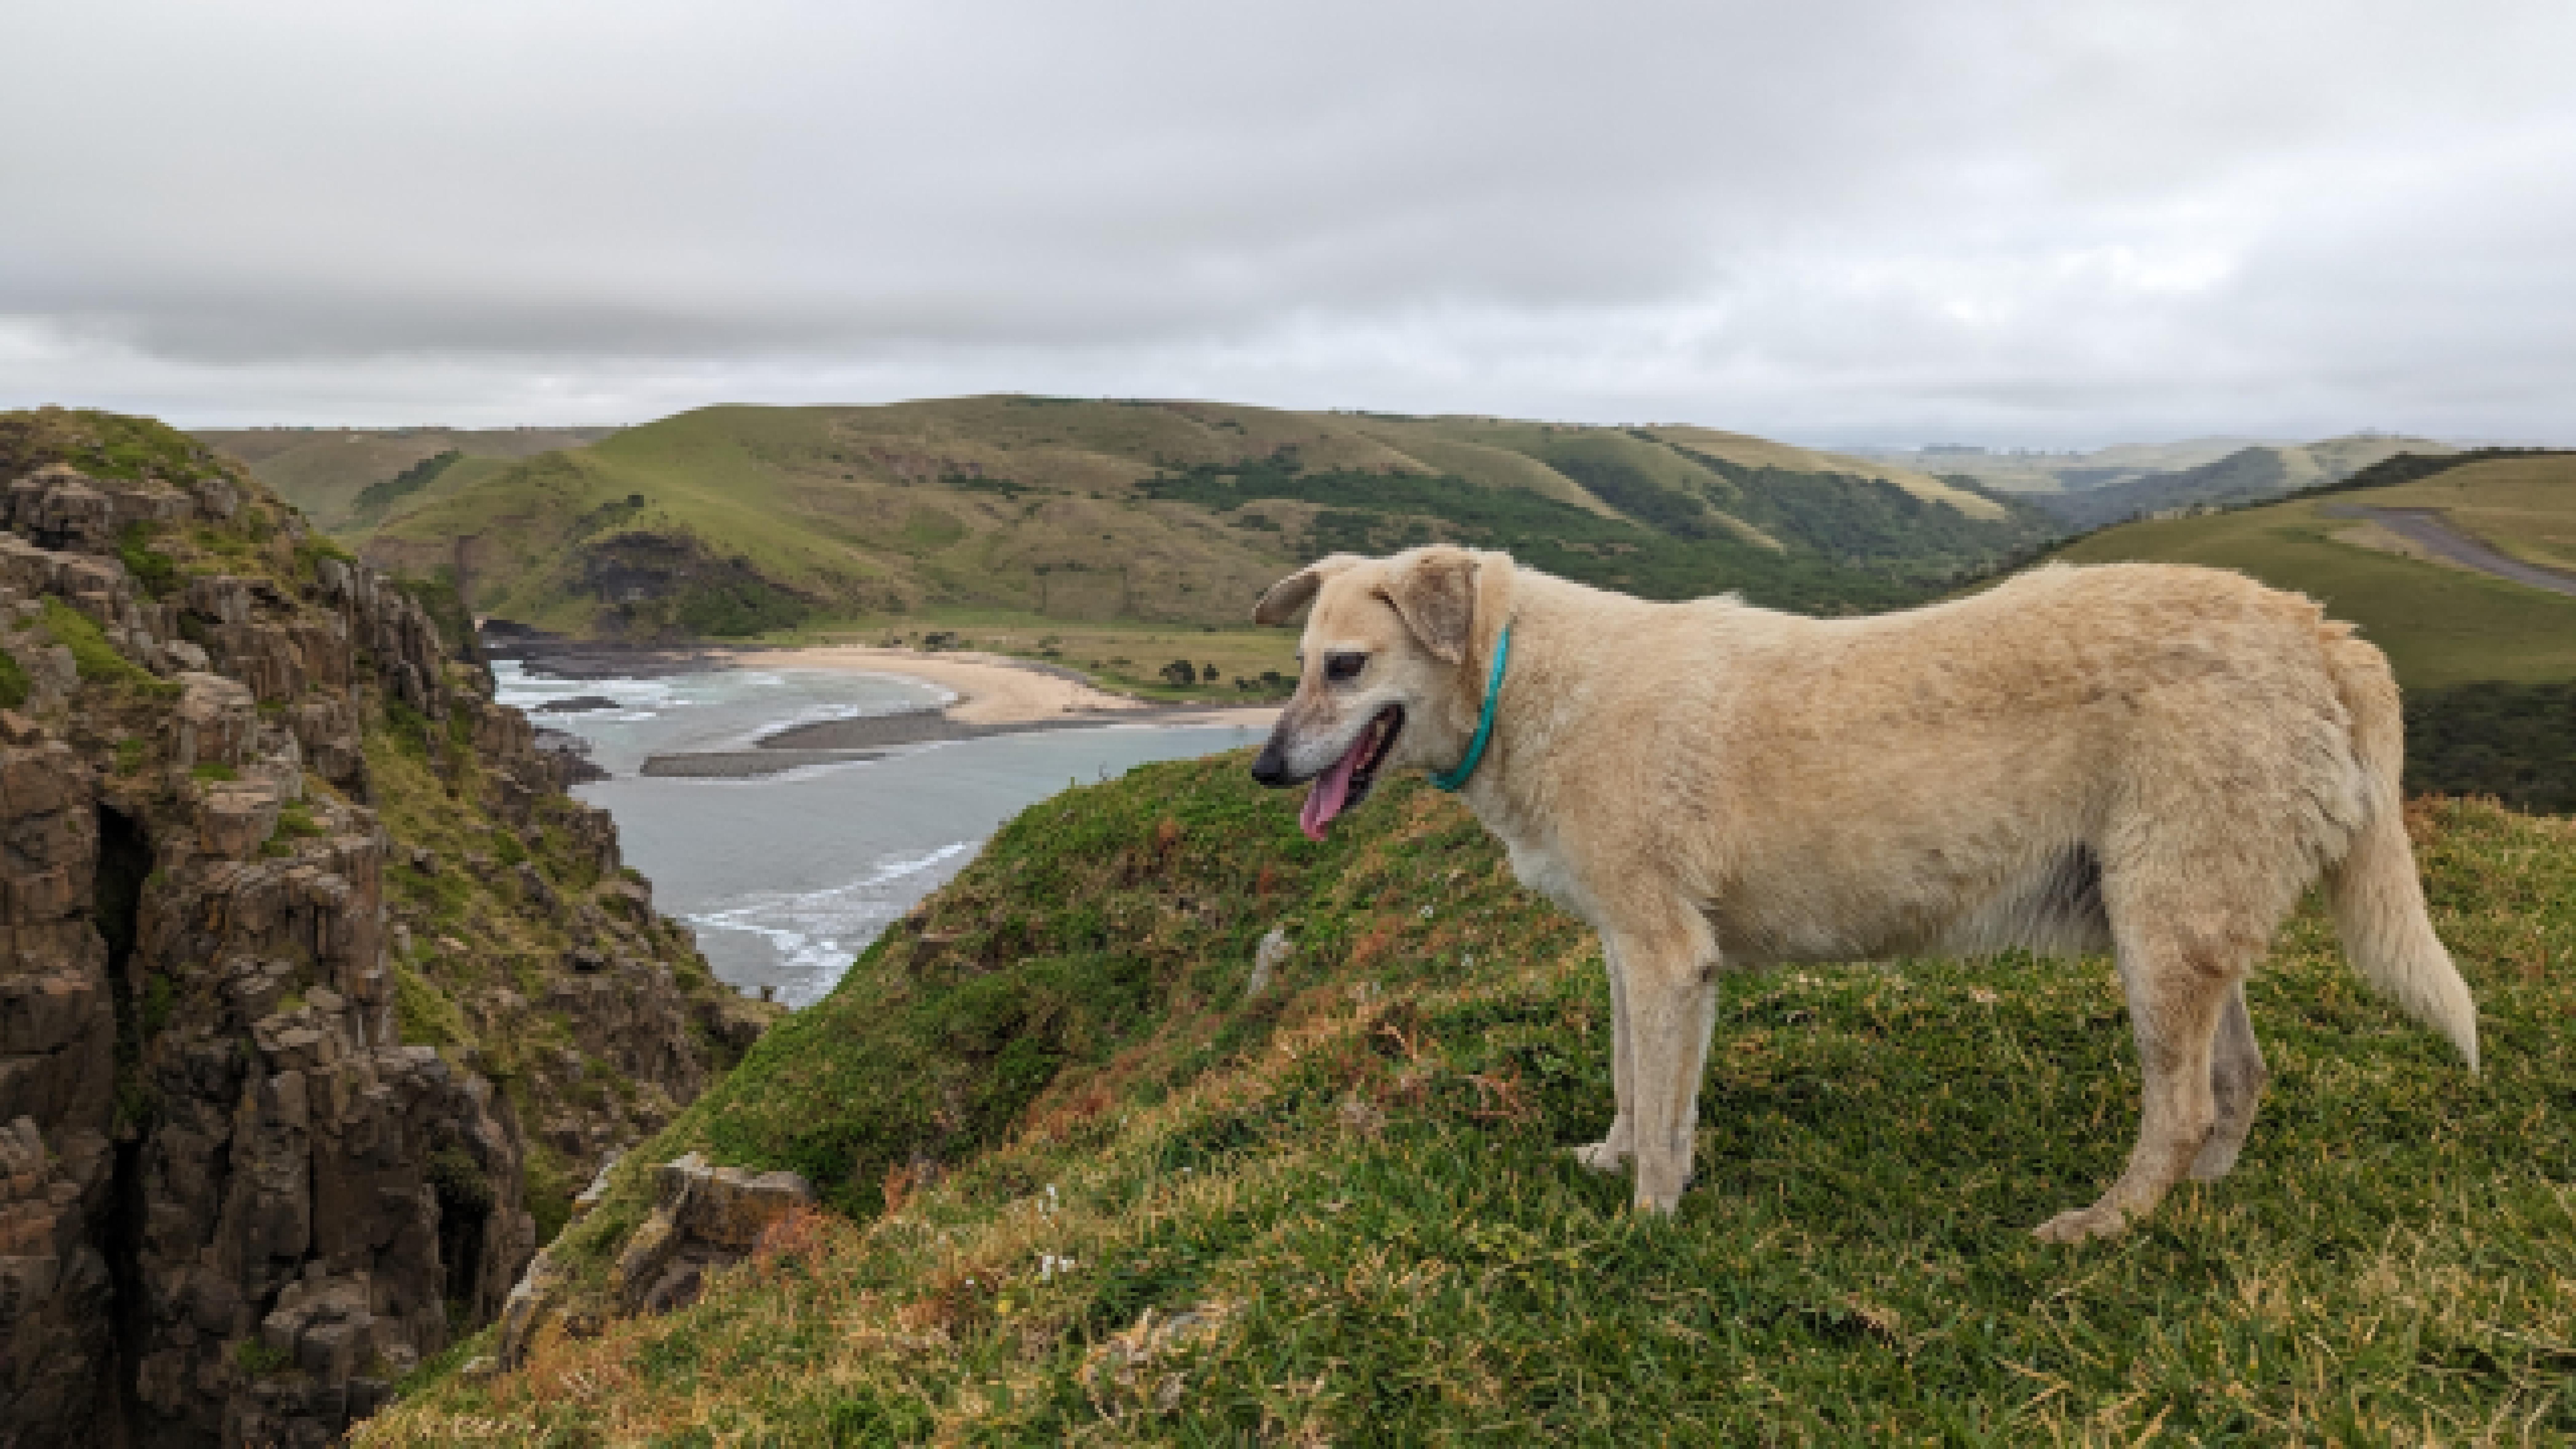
{"points": [[2148, 759]]}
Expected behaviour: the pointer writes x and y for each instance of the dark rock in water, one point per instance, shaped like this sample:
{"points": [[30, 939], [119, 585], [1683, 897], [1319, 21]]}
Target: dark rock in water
{"points": [[745, 764], [570, 754], [557, 657], [578, 704]]}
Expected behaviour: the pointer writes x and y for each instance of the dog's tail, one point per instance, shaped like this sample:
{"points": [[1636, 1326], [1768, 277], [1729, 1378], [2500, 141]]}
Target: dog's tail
{"points": [[2378, 901]]}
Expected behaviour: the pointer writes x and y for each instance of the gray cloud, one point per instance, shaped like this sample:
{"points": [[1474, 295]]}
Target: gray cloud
{"points": [[1871, 220]]}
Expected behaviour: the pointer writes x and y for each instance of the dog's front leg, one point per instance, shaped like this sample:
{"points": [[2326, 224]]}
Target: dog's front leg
{"points": [[1669, 974], [1612, 1151]]}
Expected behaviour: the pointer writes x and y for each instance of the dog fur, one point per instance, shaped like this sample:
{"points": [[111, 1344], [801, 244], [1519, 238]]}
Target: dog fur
{"points": [[2152, 760]]}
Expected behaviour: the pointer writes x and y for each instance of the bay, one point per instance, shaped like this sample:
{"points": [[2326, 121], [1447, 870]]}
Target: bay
{"points": [[787, 878]]}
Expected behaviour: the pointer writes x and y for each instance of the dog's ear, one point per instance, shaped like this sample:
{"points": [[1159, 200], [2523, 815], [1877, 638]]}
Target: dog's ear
{"points": [[1281, 601], [1435, 590]]}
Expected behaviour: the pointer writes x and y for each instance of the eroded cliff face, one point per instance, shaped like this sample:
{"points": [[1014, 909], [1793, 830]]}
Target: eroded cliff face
{"points": [[318, 998]]}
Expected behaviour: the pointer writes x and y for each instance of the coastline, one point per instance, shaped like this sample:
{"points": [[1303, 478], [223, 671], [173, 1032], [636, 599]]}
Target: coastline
{"points": [[999, 692], [986, 694]]}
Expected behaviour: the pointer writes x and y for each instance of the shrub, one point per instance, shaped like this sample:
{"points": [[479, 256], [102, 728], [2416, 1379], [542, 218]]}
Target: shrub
{"points": [[156, 572], [257, 1360], [462, 1186]]}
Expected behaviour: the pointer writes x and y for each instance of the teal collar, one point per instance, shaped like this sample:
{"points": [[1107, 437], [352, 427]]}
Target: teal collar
{"points": [[1456, 780]]}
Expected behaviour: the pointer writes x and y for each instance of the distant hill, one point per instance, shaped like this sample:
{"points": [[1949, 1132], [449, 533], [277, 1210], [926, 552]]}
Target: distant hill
{"points": [[737, 520], [2244, 476], [323, 470], [2442, 624], [2021, 470]]}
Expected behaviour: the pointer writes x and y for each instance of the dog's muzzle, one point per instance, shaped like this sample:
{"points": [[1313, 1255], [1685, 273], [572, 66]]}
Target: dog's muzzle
{"points": [[1344, 783]]}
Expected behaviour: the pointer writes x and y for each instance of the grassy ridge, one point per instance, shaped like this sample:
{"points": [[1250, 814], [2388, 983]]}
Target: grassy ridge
{"points": [[1353, 1179], [325, 471], [1169, 512]]}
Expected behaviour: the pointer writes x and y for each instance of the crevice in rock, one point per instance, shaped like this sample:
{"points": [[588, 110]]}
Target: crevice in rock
{"points": [[465, 1200], [116, 908]]}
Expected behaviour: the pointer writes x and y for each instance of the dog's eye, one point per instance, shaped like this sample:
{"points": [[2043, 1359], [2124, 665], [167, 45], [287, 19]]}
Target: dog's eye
{"points": [[1344, 666]]}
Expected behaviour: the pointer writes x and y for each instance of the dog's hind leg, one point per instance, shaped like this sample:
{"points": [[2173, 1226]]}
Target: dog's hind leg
{"points": [[2236, 1077], [1613, 1150], [1669, 974], [2179, 975]]}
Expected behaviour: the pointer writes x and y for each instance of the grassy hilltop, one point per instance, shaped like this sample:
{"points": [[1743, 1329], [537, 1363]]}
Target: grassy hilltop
{"points": [[1085, 1183], [733, 521]]}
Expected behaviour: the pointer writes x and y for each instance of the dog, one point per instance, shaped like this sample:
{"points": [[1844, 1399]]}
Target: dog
{"points": [[2147, 759]]}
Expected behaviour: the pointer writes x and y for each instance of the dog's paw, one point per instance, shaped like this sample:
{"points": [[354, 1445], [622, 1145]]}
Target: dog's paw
{"points": [[1663, 1204], [1600, 1156], [2217, 1157], [2080, 1224]]}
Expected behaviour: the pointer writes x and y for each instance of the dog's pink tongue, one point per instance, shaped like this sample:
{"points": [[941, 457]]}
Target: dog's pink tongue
{"points": [[1332, 790]]}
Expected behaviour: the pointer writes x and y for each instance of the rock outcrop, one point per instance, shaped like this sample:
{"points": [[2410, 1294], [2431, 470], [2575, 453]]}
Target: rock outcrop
{"points": [[704, 1218], [284, 1098]]}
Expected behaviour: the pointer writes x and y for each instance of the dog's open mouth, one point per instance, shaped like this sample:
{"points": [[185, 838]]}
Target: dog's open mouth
{"points": [[1347, 783]]}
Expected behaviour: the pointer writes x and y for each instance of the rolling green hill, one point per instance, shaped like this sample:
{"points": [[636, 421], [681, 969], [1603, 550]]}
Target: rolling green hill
{"points": [[1090, 1176], [735, 520], [324, 470]]}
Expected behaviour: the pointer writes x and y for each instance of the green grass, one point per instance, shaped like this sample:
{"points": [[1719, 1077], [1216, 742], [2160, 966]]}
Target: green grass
{"points": [[2440, 625], [108, 446], [14, 683], [1358, 1178], [2523, 506], [97, 660], [156, 572]]}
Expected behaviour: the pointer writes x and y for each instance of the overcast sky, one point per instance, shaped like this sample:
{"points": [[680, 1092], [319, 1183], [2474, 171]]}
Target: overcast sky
{"points": [[1879, 221]]}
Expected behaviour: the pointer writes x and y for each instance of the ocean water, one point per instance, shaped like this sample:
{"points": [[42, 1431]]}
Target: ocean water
{"points": [[786, 879]]}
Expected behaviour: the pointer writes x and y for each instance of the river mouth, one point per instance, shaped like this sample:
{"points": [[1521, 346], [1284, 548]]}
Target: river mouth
{"points": [[787, 876]]}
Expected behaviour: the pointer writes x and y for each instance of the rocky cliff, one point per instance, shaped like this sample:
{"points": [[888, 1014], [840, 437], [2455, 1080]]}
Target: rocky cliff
{"points": [[318, 997]]}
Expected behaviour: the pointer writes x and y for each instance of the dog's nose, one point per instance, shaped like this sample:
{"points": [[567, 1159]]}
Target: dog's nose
{"points": [[1271, 767]]}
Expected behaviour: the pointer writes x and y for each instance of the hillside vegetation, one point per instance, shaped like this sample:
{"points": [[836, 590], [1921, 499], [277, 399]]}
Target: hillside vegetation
{"points": [[1089, 1179], [736, 521]]}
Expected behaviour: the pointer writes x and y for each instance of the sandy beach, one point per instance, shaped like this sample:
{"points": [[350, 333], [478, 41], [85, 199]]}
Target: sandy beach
{"points": [[995, 689]]}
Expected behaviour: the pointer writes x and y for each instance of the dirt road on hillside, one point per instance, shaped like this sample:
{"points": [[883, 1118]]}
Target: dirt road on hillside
{"points": [[2427, 528]]}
